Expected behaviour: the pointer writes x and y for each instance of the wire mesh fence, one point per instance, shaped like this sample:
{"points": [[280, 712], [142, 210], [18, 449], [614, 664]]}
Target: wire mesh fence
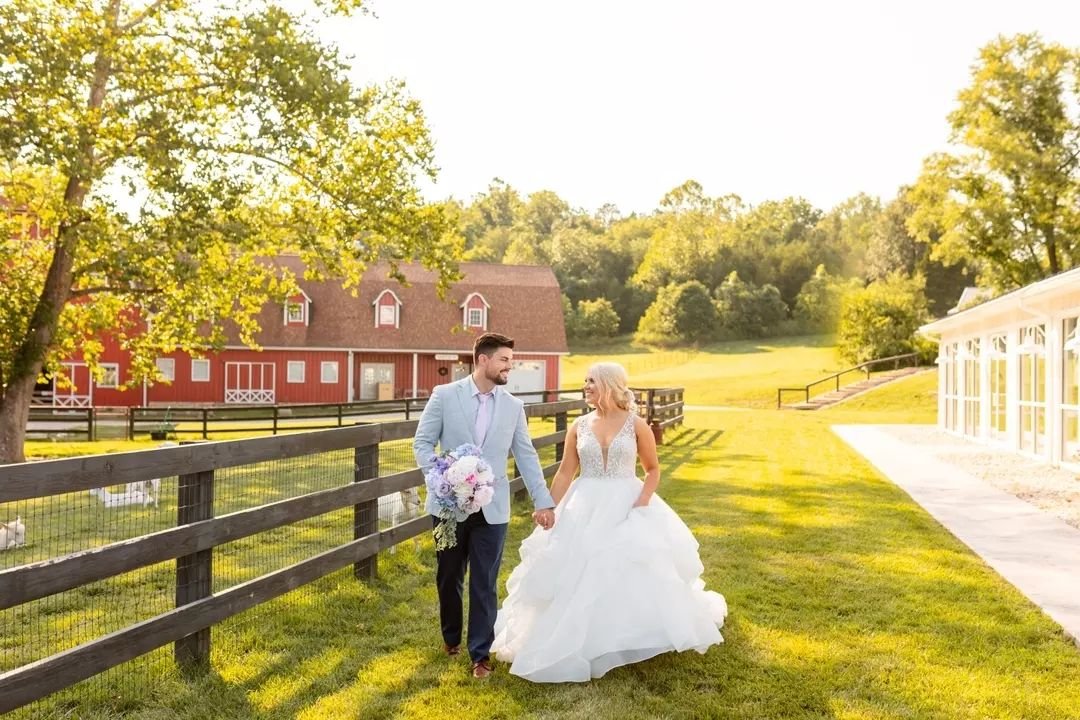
{"points": [[70, 523], [58, 526]]}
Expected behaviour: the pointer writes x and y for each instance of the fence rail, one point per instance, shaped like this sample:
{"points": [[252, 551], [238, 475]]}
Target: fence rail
{"points": [[48, 421], [162, 423], [897, 361], [199, 532]]}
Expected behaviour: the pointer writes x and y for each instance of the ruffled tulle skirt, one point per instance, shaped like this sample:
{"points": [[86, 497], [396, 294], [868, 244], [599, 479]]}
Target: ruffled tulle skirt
{"points": [[609, 585]]}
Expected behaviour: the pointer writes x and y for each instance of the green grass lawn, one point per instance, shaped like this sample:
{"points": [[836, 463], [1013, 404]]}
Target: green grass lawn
{"points": [[744, 373], [847, 599]]}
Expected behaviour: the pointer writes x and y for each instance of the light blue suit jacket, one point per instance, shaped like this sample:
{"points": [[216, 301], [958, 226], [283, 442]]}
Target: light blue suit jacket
{"points": [[448, 419]]}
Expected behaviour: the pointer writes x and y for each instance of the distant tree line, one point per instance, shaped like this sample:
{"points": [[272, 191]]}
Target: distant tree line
{"points": [[1002, 212]]}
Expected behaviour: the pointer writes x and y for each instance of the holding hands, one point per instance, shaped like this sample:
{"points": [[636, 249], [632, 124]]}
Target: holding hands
{"points": [[544, 518]]}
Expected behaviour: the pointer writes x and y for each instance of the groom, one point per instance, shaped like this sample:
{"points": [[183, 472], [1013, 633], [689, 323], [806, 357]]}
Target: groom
{"points": [[478, 410]]}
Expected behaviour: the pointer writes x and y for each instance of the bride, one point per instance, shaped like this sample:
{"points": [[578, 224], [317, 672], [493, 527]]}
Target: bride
{"points": [[617, 580]]}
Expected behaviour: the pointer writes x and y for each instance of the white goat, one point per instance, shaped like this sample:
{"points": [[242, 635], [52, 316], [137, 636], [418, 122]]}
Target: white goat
{"points": [[150, 489], [400, 507], [114, 500], [12, 534]]}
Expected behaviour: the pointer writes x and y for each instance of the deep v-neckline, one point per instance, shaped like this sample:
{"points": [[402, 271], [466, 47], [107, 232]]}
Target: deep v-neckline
{"points": [[604, 448]]}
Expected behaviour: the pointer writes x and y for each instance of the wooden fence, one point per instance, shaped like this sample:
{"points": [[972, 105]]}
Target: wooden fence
{"points": [[661, 407], [49, 421], [198, 532]]}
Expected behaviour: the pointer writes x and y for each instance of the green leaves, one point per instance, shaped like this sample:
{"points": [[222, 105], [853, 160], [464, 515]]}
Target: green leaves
{"points": [[1011, 200], [240, 134]]}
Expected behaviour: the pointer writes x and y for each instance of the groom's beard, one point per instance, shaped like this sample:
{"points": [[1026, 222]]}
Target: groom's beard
{"points": [[498, 378]]}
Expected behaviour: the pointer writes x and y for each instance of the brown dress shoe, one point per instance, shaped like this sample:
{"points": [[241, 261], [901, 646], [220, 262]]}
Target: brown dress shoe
{"points": [[452, 650], [482, 668]]}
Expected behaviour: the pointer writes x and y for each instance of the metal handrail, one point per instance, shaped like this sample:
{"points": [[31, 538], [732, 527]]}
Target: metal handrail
{"points": [[895, 359]]}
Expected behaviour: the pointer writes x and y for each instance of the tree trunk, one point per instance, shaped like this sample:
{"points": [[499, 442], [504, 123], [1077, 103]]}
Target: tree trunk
{"points": [[29, 358], [14, 413]]}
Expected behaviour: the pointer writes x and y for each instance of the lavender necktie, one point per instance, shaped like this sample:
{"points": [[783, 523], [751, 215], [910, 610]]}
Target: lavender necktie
{"points": [[482, 418]]}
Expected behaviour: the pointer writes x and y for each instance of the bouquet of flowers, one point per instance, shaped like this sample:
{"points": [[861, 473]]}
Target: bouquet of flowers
{"points": [[461, 482]]}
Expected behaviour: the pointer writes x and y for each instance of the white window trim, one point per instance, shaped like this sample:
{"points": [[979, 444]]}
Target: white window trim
{"points": [[469, 318], [465, 309], [290, 365], [304, 305], [323, 366], [116, 384], [378, 304], [162, 363], [201, 362]]}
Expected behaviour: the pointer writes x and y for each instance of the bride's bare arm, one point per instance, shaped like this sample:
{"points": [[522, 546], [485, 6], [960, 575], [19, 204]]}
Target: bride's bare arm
{"points": [[650, 463], [567, 468]]}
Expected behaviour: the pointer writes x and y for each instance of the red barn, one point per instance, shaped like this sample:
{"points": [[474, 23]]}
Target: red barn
{"points": [[326, 346]]}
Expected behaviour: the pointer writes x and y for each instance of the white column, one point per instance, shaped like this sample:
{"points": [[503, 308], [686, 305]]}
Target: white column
{"points": [[984, 386], [1012, 390], [942, 373], [961, 387], [1054, 355], [349, 375], [415, 371]]}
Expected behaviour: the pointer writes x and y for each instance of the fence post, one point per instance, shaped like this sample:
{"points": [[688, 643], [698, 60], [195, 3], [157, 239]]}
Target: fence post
{"points": [[206, 423], [408, 402], [275, 420], [560, 425], [90, 412], [340, 415], [131, 422], [194, 572], [366, 514]]}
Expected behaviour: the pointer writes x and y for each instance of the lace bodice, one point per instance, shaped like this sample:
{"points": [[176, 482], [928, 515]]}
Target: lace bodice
{"points": [[617, 460]]}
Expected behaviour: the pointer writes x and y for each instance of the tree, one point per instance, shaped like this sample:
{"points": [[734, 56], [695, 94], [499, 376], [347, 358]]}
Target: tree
{"points": [[681, 313], [596, 319], [687, 242], [745, 310], [818, 304], [847, 231], [881, 319], [894, 248], [1010, 202], [779, 243], [240, 134]]}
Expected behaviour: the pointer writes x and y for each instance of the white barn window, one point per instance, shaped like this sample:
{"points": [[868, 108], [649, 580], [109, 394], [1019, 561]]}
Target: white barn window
{"points": [[200, 370], [110, 375], [167, 368], [328, 372], [295, 371]]}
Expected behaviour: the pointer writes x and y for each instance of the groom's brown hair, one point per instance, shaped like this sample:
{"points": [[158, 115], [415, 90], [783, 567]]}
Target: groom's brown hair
{"points": [[488, 343]]}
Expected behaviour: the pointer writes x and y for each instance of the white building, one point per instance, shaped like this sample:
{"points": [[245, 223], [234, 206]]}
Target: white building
{"points": [[1009, 370]]}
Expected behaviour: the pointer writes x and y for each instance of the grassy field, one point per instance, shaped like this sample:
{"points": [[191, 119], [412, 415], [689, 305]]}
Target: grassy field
{"points": [[744, 373], [847, 601]]}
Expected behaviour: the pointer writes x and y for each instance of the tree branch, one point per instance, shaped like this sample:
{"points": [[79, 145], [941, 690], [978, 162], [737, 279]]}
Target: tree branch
{"points": [[140, 17], [84, 292]]}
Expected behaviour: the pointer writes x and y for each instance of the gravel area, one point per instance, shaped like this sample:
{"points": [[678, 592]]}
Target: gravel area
{"points": [[1051, 489]]}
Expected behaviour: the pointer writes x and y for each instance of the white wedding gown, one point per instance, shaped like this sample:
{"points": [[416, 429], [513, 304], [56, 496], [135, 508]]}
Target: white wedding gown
{"points": [[610, 584]]}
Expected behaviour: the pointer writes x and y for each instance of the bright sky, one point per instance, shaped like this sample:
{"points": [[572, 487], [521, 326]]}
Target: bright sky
{"points": [[620, 100]]}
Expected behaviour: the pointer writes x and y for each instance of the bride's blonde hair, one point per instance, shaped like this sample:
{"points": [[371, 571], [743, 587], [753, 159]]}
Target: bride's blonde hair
{"points": [[612, 386]]}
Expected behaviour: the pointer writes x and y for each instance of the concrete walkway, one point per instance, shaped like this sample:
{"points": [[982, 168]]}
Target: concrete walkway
{"points": [[1032, 549]]}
